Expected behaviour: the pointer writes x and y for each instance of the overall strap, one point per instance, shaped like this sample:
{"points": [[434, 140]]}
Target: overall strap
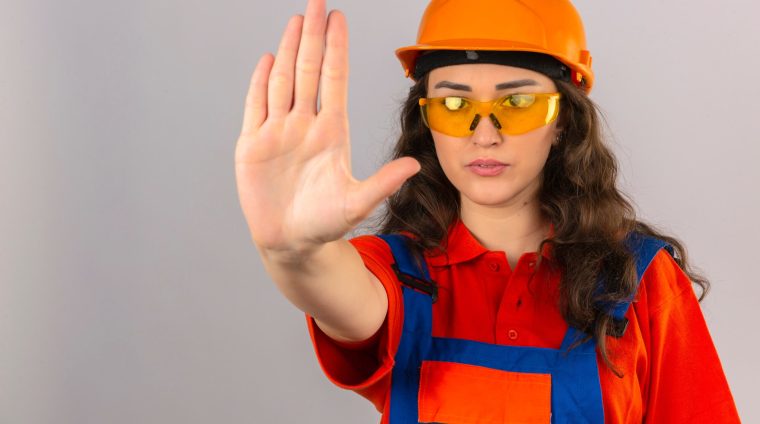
{"points": [[406, 270], [644, 248], [416, 336]]}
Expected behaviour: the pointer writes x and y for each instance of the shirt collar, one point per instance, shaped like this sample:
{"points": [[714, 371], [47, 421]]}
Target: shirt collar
{"points": [[462, 246]]}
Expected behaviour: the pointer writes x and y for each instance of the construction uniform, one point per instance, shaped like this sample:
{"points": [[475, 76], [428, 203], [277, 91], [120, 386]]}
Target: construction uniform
{"points": [[492, 348]]}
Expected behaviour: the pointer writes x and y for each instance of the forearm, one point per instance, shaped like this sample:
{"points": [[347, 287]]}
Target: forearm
{"points": [[331, 284]]}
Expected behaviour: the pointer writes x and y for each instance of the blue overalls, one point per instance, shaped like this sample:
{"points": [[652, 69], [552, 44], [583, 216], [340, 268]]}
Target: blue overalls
{"points": [[560, 386]]}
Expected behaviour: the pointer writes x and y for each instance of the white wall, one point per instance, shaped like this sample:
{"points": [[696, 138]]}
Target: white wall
{"points": [[129, 289]]}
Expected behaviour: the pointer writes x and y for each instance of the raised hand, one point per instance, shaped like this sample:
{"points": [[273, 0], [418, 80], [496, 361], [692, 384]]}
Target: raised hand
{"points": [[293, 157]]}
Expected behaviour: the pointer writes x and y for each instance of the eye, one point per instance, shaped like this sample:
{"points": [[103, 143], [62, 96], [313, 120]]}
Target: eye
{"points": [[455, 103], [519, 100]]}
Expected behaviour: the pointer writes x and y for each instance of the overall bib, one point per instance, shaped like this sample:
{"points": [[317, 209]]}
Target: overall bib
{"points": [[448, 380]]}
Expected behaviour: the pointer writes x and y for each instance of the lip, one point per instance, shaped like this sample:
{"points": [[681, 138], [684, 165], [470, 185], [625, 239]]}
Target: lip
{"points": [[486, 162], [487, 167]]}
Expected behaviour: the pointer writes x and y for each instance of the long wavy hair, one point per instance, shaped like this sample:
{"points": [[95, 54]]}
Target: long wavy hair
{"points": [[579, 195]]}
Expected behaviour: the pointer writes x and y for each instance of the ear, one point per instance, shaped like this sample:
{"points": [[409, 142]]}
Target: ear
{"points": [[557, 137]]}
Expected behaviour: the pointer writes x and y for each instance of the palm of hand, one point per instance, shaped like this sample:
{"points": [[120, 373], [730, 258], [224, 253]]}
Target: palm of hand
{"points": [[292, 161]]}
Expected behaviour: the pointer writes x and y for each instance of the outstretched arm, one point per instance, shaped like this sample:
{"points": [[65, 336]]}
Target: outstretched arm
{"points": [[296, 189]]}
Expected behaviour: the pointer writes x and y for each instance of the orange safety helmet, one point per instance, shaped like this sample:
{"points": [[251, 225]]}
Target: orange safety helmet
{"points": [[551, 27]]}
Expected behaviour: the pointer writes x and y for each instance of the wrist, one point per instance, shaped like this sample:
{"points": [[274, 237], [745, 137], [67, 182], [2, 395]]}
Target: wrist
{"points": [[297, 257]]}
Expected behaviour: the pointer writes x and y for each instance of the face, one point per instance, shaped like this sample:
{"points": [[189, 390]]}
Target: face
{"points": [[510, 165]]}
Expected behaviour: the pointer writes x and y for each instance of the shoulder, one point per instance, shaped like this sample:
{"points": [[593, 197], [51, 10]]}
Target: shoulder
{"points": [[666, 308], [664, 282], [374, 247], [678, 362], [378, 259]]}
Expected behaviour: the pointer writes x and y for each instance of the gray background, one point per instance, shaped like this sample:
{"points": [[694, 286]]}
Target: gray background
{"points": [[130, 291]]}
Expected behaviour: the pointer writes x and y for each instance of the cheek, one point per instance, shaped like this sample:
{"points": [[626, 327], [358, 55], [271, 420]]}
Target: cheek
{"points": [[532, 151], [534, 154], [449, 151]]}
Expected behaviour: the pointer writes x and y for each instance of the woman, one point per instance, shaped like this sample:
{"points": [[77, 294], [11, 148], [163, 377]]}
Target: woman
{"points": [[512, 281]]}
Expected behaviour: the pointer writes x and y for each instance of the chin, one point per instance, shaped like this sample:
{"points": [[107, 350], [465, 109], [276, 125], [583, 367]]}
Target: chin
{"points": [[490, 198]]}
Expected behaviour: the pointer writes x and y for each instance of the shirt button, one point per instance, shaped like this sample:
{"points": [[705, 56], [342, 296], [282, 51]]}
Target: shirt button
{"points": [[532, 264], [494, 266], [512, 334]]}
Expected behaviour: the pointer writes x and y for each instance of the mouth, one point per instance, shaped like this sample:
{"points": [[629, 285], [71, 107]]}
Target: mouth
{"points": [[487, 167]]}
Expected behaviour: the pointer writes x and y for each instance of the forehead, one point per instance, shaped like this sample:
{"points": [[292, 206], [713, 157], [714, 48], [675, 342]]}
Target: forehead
{"points": [[485, 76]]}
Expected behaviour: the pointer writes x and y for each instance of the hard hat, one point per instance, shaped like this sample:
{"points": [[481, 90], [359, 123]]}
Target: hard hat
{"points": [[551, 27]]}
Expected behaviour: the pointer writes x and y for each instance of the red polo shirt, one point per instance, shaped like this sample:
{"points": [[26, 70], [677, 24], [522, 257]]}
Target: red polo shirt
{"points": [[672, 373]]}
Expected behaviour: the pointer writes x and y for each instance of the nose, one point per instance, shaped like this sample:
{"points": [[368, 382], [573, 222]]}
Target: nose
{"points": [[486, 131]]}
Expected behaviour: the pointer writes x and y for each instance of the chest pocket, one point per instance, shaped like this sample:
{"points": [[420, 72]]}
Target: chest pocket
{"points": [[456, 393]]}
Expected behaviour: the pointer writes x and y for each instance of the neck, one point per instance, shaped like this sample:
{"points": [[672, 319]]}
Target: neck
{"points": [[513, 228]]}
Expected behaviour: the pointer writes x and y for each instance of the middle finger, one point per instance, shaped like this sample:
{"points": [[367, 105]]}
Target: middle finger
{"points": [[280, 94], [310, 54]]}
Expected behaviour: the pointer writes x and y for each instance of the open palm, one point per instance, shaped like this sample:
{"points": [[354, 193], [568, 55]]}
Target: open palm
{"points": [[293, 158]]}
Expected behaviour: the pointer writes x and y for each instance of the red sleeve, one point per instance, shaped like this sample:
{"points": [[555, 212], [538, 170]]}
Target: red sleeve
{"points": [[364, 367], [686, 383]]}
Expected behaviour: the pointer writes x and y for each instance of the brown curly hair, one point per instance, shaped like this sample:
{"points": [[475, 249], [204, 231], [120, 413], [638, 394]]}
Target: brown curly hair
{"points": [[579, 196]]}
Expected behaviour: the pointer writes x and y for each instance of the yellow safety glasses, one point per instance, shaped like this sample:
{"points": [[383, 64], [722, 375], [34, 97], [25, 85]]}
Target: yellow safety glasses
{"points": [[512, 114]]}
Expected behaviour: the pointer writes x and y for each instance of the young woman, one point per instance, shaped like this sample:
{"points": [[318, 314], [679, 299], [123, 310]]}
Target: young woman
{"points": [[511, 281]]}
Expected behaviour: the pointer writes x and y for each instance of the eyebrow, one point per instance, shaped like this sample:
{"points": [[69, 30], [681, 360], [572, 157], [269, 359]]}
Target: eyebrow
{"points": [[501, 86], [515, 84]]}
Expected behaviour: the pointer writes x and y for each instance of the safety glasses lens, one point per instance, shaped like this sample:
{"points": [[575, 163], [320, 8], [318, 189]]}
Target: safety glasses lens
{"points": [[515, 114]]}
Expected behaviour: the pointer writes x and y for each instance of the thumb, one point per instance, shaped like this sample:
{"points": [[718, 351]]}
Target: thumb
{"points": [[368, 194]]}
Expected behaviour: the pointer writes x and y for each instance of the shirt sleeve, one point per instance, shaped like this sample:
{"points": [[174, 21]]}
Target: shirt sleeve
{"points": [[686, 382], [365, 366]]}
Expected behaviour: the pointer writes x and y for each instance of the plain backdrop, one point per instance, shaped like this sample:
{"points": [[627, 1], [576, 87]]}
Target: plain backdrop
{"points": [[130, 291]]}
